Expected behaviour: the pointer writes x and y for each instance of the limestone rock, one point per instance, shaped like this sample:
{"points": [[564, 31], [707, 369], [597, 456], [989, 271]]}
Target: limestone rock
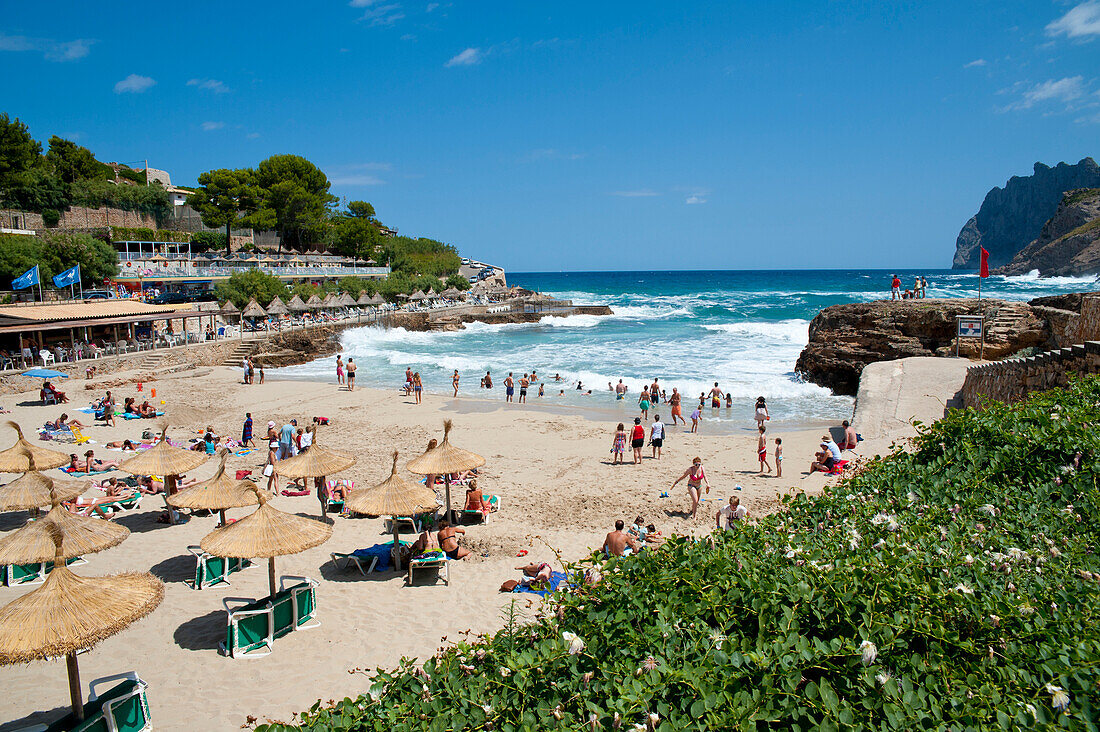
{"points": [[1069, 243]]}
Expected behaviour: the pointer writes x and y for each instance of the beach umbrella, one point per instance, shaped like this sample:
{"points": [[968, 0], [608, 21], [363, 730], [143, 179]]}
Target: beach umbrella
{"points": [[276, 307], [267, 533], [33, 489], [418, 296], [444, 459], [314, 303], [316, 462], [330, 301], [296, 305], [80, 535], [216, 494], [230, 309], [254, 310], [364, 299], [345, 300], [15, 460], [69, 613], [452, 293], [166, 460], [45, 374], [377, 299], [394, 497]]}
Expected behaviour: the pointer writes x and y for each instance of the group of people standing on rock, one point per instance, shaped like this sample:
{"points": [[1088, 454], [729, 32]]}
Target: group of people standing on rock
{"points": [[920, 285]]}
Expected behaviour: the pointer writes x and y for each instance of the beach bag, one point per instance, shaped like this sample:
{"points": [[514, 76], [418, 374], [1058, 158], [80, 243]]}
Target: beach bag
{"points": [[509, 585], [269, 470]]}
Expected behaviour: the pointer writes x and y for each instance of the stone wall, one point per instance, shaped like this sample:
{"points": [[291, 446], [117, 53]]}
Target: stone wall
{"points": [[1013, 379], [80, 217]]}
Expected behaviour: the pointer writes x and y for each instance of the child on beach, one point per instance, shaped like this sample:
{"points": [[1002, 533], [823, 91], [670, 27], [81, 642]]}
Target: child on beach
{"points": [[762, 450], [761, 416], [541, 392], [618, 445], [695, 419], [778, 457]]}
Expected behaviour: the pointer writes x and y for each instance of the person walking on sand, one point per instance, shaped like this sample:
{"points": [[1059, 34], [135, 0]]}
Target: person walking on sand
{"points": [[656, 436], [509, 387], [340, 369], [618, 445], [762, 450], [246, 431], [272, 455], [643, 402], [696, 477], [715, 397], [637, 440], [677, 412], [454, 381], [523, 384], [260, 365], [418, 387], [778, 457], [761, 414], [351, 374]]}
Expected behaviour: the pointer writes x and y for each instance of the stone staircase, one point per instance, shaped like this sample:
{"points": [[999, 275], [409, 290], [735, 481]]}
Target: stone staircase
{"points": [[151, 361], [236, 356]]}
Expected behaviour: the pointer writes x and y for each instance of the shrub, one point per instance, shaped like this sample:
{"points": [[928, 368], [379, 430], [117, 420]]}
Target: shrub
{"points": [[51, 217], [202, 241], [951, 586]]}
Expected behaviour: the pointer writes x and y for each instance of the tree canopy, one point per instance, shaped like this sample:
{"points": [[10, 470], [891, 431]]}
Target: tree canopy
{"points": [[226, 198], [54, 253]]}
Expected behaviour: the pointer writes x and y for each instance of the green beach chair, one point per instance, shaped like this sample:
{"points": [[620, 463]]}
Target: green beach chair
{"points": [[493, 502], [34, 573], [211, 570], [436, 560], [254, 626], [123, 708]]}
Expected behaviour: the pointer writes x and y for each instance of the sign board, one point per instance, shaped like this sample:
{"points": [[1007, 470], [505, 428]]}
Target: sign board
{"points": [[969, 326]]}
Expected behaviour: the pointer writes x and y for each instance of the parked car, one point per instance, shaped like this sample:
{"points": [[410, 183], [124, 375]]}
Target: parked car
{"points": [[96, 295], [178, 298]]}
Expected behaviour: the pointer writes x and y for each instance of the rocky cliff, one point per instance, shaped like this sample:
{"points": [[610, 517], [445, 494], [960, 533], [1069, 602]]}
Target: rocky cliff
{"points": [[845, 338], [1069, 243], [1012, 217]]}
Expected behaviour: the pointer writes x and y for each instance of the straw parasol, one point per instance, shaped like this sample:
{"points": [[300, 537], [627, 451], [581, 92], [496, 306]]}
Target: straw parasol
{"points": [[216, 494], [418, 295], [296, 305], [395, 496], [33, 489], [266, 532], [70, 613], [364, 298], [452, 292], [14, 459], [445, 459], [377, 299], [345, 300], [80, 535], [253, 310], [330, 302], [314, 303], [163, 459], [316, 463], [276, 307]]}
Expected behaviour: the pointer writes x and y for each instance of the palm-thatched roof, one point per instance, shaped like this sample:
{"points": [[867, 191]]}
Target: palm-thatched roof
{"points": [[395, 496], [452, 292], [445, 457], [216, 494], [229, 308], [330, 300], [364, 299], [81, 535], [314, 302], [15, 459], [266, 532], [314, 462], [277, 307], [345, 300], [418, 295], [377, 299], [297, 305], [33, 489], [254, 310], [163, 459]]}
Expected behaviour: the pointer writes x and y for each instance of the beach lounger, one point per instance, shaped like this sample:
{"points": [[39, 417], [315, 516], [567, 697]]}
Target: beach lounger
{"points": [[78, 436], [333, 505], [211, 570], [408, 524], [343, 561], [122, 708], [255, 625], [105, 507], [34, 573], [436, 560], [482, 515]]}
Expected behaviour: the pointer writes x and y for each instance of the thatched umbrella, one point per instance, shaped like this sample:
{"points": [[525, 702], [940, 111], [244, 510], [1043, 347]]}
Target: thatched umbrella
{"points": [[216, 494], [393, 497], [163, 459], [33, 489], [276, 307], [330, 302], [70, 613], [364, 299], [15, 460], [80, 535], [452, 292], [345, 300], [266, 532], [444, 459], [314, 303], [377, 299], [316, 463], [230, 309], [296, 305], [254, 310], [418, 296]]}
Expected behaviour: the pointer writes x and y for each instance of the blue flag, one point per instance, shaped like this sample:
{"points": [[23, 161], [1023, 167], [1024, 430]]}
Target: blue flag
{"points": [[25, 280], [69, 277]]}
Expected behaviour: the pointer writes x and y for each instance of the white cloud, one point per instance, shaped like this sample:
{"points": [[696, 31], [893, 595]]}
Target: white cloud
{"points": [[408, 37], [1081, 21], [212, 85], [975, 62], [134, 84], [252, 135], [50, 49], [356, 179], [642, 193], [382, 15], [695, 198], [431, 7], [1064, 91], [211, 126], [361, 3], [469, 57], [549, 153]]}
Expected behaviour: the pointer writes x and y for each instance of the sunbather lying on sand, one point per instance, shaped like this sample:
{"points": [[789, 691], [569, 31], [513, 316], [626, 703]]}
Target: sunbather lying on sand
{"points": [[535, 572]]}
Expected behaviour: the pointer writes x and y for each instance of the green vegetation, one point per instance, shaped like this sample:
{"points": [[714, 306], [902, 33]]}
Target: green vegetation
{"points": [[54, 253], [951, 586], [1082, 229], [226, 198], [253, 283], [141, 233], [1083, 194], [202, 241]]}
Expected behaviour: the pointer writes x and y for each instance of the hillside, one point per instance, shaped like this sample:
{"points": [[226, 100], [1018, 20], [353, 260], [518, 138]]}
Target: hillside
{"points": [[1069, 243], [1012, 217]]}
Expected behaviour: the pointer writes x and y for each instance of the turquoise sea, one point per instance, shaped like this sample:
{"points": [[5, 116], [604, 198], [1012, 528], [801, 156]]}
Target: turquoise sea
{"points": [[743, 329]]}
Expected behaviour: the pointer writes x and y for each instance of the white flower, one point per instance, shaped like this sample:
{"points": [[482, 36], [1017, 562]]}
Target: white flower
{"points": [[717, 639], [963, 589], [1026, 609], [880, 518], [638, 727], [1059, 699], [988, 508], [879, 544], [653, 719], [882, 678], [1031, 709], [1054, 552], [1017, 554], [505, 671], [969, 560], [911, 496], [486, 708], [576, 645], [892, 524], [869, 651]]}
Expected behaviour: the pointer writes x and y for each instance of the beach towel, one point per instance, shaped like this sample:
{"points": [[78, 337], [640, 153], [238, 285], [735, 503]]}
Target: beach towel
{"points": [[81, 472], [138, 416], [246, 451], [542, 589], [382, 551], [838, 468], [296, 493]]}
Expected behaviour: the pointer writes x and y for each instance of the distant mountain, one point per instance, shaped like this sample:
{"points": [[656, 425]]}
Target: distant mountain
{"points": [[1012, 217], [1069, 243]]}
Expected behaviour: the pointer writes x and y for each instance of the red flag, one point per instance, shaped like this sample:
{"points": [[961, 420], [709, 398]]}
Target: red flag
{"points": [[984, 270]]}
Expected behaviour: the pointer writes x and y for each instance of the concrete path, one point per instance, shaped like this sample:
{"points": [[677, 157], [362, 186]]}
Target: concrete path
{"points": [[894, 393]]}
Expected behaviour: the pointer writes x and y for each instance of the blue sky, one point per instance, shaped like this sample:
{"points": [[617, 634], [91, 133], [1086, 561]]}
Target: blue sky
{"points": [[567, 135]]}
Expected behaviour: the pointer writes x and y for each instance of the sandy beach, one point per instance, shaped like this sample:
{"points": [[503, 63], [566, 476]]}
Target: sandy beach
{"points": [[553, 472]]}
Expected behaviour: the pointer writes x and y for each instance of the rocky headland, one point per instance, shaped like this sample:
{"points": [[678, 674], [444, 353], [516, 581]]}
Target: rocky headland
{"points": [[1012, 217], [1069, 243], [845, 338]]}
